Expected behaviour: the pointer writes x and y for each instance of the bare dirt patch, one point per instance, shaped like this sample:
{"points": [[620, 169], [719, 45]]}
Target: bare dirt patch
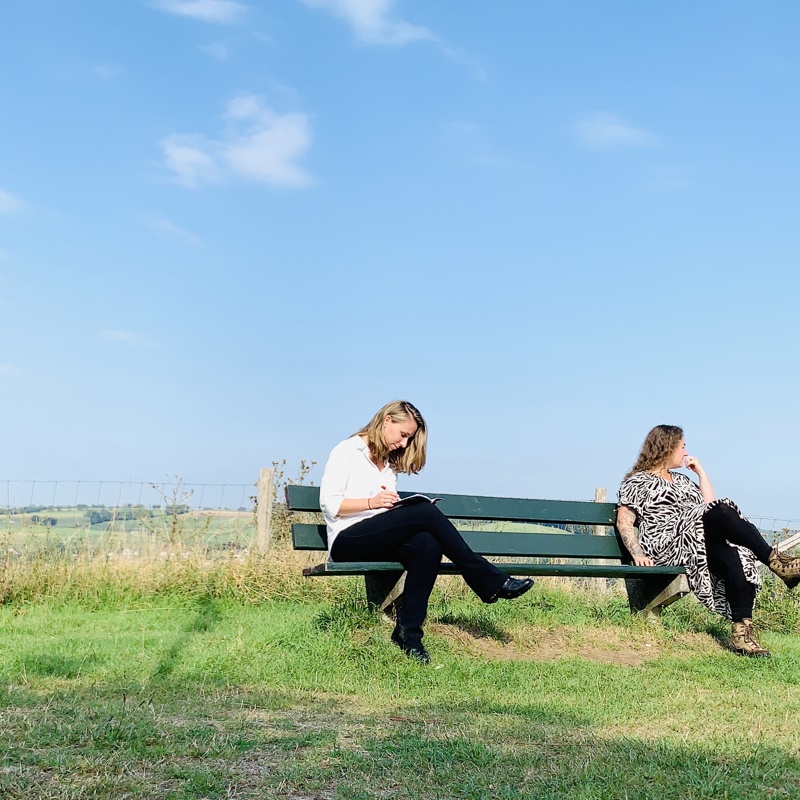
{"points": [[604, 645]]}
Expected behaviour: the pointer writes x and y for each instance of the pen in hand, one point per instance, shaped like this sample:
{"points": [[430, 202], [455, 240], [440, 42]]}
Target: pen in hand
{"points": [[387, 502]]}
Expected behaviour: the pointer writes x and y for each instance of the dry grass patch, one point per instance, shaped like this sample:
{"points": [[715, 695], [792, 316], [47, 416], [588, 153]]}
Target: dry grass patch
{"points": [[607, 645]]}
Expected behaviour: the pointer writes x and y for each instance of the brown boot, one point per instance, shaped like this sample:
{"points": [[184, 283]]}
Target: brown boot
{"points": [[785, 567], [743, 643]]}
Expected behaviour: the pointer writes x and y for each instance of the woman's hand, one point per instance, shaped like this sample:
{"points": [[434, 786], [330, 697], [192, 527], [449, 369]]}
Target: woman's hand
{"points": [[692, 463], [706, 489], [643, 561], [384, 499], [358, 505]]}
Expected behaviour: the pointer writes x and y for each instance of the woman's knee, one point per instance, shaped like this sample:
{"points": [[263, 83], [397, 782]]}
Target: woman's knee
{"points": [[421, 548], [427, 545], [719, 521], [723, 514], [427, 511]]}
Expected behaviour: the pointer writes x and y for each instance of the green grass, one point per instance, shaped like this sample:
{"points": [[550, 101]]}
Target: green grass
{"points": [[243, 681]]}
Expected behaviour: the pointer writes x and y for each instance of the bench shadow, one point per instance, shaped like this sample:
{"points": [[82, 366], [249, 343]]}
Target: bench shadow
{"points": [[478, 629]]}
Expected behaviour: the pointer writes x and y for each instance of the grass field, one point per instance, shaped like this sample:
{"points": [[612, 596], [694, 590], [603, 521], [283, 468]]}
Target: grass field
{"points": [[147, 531], [241, 680]]}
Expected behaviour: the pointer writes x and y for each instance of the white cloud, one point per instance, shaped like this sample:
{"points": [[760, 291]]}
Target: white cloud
{"points": [[603, 131], [226, 12], [215, 50], [126, 337], [170, 229], [185, 156], [9, 203], [372, 22], [257, 145]]}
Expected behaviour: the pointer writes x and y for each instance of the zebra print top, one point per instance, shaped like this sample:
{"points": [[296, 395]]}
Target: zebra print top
{"points": [[669, 515]]}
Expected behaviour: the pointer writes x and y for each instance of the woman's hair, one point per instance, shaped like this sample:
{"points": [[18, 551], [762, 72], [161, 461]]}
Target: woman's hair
{"points": [[658, 445], [410, 459]]}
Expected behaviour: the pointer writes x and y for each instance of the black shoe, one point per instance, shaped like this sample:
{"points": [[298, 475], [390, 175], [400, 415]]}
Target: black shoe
{"points": [[418, 653], [513, 588]]}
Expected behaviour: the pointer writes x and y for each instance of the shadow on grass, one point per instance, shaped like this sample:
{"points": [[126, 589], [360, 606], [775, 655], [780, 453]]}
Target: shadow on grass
{"points": [[55, 666], [535, 753], [479, 626], [207, 614], [579, 766]]}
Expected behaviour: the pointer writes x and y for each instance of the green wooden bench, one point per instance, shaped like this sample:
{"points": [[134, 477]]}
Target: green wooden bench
{"points": [[513, 528]]}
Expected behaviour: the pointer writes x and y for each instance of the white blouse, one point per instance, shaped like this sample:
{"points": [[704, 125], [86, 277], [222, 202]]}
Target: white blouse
{"points": [[349, 473]]}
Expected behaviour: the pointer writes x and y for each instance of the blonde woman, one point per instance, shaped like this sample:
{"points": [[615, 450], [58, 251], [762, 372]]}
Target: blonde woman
{"points": [[358, 496], [683, 523]]}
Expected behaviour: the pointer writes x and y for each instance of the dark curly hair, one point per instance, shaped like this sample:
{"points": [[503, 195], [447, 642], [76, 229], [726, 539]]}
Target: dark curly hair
{"points": [[657, 447]]}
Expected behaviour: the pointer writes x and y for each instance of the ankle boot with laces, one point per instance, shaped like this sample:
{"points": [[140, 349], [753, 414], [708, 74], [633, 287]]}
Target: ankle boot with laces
{"points": [[786, 567], [743, 642]]}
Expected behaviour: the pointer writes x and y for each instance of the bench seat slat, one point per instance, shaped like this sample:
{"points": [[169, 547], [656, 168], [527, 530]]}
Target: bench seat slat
{"points": [[494, 543], [567, 570]]}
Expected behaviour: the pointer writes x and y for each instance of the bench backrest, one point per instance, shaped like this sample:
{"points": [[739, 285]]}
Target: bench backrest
{"points": [[545, 542]]}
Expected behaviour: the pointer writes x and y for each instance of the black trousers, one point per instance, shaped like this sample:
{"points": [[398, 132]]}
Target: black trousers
{"points": [[723, 525], [417, 536]]}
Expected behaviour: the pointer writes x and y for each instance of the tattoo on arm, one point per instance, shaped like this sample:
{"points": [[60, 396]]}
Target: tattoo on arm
{"points": [[626, 525]]}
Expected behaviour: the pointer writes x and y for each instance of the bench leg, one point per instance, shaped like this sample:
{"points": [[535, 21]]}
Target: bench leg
{"points": [[384, 589], [647, 596]]}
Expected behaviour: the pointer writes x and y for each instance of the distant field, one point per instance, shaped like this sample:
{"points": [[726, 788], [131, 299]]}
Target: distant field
{"points": [[123, 530]]}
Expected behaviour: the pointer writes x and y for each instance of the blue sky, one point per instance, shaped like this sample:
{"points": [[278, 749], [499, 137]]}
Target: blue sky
{"points": [[230, 231]]}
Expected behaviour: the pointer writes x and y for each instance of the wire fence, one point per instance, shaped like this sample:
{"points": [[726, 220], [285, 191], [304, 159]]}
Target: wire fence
{"points": [[145, 517], [17, 495], [126, 517]]}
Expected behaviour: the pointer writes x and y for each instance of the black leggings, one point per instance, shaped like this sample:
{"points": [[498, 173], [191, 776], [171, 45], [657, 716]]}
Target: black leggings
{"points": [[723, 526], [417, 536]]}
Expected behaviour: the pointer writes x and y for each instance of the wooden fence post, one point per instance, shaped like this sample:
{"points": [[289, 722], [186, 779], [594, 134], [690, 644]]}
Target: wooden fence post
{"points": [[266, 481], [600, 497]]}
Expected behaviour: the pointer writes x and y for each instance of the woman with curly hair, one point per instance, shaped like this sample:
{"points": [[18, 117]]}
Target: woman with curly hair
{"points": [[358, 498], [681, 522]]}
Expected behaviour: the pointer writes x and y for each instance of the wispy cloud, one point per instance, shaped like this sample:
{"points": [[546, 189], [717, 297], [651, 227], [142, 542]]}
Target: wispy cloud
{"points": [[9, 371], [257, 145], [372, 21], [215, 50], [225, 12], [173, 231], [602, 131], [127, 338], [459, 56], [9, 203]]}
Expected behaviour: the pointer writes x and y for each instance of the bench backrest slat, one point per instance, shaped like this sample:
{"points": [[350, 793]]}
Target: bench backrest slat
{"points": [[536, 545], [506, 509]]}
